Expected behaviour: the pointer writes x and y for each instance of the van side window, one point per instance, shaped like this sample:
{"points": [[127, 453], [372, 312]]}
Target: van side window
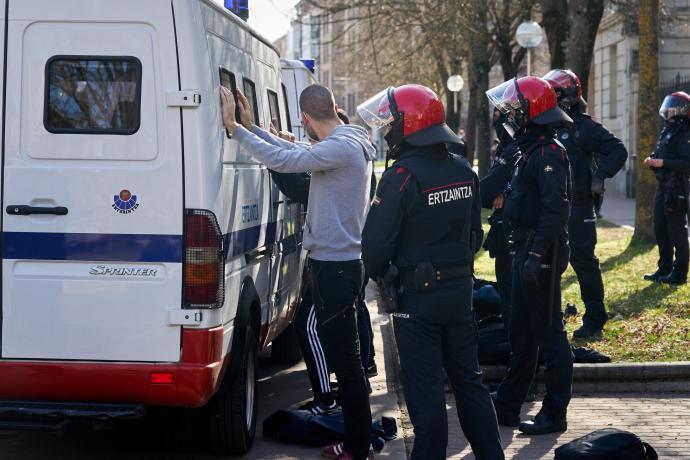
{"points": [[227, 80], [274, 108], [287, 108], [92, 95], [250, 94]]}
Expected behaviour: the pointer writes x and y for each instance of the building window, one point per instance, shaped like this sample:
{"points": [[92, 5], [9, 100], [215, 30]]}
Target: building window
{"points": [[351, 103], [92, 95], [613, 81]]}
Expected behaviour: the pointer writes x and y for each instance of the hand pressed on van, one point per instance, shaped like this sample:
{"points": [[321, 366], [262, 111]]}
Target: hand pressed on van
{"points": [[285, 135], [228, 110]]}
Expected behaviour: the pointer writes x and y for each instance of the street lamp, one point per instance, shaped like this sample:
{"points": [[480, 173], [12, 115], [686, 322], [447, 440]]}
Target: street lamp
{"points": [[455, 84], [529, 35]]}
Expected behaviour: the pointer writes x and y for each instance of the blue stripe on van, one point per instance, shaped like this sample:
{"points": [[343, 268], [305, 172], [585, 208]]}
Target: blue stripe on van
{"points": [[92, 246], [248, 239], [130, 247]]}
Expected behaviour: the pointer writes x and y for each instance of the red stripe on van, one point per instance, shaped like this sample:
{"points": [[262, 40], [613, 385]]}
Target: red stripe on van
{"points": [[196, 377]]}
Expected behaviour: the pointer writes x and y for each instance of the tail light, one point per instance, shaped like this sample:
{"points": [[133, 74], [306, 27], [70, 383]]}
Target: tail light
{"points": [[204, 261]]}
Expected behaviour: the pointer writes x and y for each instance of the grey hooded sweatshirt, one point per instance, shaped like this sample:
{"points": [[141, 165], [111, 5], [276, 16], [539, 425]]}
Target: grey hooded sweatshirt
{"points": [[341, 167]]}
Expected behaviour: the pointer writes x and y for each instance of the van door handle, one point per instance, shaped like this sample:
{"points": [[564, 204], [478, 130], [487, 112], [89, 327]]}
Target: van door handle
{"points": [[24, 210]]}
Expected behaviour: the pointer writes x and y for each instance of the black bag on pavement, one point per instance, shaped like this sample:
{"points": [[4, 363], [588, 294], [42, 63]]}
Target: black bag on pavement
{"points": [[494, 347], [607, 444]]}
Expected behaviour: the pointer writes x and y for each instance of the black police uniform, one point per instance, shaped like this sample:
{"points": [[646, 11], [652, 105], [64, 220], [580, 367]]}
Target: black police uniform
{"points": [[494, 184], [670, 203], [427, 216], [583, 141], [537, 210]]}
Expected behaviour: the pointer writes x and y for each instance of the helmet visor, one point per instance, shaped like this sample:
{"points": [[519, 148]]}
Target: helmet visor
{"points": [[376, 111], [674, 106], [505, 97], [560, 79]]}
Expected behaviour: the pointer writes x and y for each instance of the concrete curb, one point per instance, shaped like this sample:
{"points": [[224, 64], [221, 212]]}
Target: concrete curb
{"points": [[618, 377]]}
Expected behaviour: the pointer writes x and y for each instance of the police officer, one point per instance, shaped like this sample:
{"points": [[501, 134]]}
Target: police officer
{"points": [[425, 219], [493, 188], [595, 154], [537, 209], [671, 164]]}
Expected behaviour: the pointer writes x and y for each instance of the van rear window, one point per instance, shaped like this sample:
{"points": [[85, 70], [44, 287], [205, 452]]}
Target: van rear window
{"points": [[93, 95]]}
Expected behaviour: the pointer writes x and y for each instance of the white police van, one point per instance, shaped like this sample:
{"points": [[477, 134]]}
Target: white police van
{"points": [[146, 258], [296, 77]]}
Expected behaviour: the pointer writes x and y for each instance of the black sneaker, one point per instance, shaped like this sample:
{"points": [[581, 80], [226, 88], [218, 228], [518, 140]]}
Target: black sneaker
{"points": [[675, 278], [543, 424], [320, 407], [588, 331], [656, 276]]}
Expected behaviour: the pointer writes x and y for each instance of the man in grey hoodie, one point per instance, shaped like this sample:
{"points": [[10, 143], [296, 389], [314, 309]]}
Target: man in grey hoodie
{"points": [[338, 204]]}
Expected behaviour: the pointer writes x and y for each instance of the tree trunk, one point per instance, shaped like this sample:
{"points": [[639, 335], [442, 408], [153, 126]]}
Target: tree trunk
{"points": [[583, 19], [480, 68], [555, 25], [647, 130], [471, 131]]}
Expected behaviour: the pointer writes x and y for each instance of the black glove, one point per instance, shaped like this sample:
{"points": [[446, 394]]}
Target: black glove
{"points": [[597, 186], [531, 271]]}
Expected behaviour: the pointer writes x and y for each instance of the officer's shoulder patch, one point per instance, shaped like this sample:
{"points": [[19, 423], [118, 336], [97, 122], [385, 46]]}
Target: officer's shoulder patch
{"points": [[400, 170]]}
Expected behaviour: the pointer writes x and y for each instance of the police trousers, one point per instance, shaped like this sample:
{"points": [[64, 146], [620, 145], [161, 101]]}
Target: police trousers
{"points": [[434, 331], [335, 287], [533, 329], [671, 232], [582, 228]]}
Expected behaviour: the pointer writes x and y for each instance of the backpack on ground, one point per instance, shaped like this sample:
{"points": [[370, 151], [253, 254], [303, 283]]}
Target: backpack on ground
{"points": [[607, 444]]}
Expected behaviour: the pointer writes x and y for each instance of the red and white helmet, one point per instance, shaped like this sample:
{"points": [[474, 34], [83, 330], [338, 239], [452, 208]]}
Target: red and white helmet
{"points": [[567, 86], [411, 113], [527, 100], [675, 105]]}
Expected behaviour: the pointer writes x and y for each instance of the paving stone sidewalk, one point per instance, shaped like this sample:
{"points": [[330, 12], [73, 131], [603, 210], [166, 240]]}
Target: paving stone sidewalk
{"points": [[662, 420]]}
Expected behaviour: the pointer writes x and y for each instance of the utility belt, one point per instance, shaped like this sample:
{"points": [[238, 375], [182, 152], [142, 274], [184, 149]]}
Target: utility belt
{"points": [[519, 234], [425, 276]]}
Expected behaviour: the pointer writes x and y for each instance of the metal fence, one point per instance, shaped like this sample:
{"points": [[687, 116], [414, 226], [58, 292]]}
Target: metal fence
{"points": [[680, 83]]}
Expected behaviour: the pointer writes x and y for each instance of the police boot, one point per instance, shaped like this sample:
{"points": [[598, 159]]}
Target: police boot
{"points": [[675, 277], [656, 276], [588, 331], [542, 424]]}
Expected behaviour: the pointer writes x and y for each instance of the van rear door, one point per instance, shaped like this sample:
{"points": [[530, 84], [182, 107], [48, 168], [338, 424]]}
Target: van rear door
{"points": [[93, 196]]}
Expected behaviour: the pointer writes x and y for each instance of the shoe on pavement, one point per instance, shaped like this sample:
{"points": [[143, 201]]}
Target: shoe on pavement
{"points": [[543, 424], [320, 407], [675, 278], [656, 276], [338, 452], [504, 418], [588, 331]]}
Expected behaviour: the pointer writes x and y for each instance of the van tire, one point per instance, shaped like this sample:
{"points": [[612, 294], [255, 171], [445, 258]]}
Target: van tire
{"points": [[232, 412], [285, 348]]}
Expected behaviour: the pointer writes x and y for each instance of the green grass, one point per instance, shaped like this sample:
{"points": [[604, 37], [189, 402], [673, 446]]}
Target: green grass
{"points": [[649, 321]]}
